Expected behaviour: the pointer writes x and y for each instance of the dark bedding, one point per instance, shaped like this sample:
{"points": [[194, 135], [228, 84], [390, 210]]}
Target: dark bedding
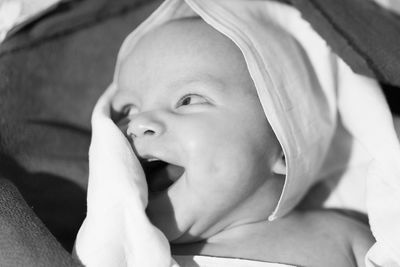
{"points": [[49, 83]]}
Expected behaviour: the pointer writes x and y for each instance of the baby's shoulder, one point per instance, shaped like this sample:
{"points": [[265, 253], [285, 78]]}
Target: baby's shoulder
{"points": [[337, 231], [341, 224], [316, 238]]}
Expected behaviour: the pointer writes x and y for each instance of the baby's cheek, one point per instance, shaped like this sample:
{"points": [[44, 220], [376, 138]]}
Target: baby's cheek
{"points": [[198, 140], [205, 153]]}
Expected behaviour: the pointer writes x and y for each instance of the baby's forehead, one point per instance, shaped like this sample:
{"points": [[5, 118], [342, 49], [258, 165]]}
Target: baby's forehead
{"points": [[192, 31], [182, 50], [185, 37]]}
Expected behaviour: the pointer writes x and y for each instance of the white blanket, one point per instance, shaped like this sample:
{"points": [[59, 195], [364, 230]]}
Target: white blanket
{"points": [[116, 231], [16, 13]]}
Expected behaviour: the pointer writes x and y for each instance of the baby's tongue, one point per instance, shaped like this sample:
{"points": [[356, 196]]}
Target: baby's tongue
{"points": [[162, 177]]}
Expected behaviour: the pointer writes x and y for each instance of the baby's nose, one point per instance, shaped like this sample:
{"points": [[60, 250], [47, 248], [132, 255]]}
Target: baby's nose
{"points": [[145, 124]]}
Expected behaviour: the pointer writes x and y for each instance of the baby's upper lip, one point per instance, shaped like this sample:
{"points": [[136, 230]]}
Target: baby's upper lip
{"points": [[152, 163], [147, 158]]}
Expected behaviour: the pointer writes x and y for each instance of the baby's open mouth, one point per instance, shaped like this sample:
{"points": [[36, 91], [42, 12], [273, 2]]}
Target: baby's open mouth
{"points": [[160, 174]]}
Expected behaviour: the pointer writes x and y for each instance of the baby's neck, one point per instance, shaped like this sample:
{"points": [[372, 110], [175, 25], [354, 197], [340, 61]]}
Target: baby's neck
{"points": [[317, 238], [234, 240]]}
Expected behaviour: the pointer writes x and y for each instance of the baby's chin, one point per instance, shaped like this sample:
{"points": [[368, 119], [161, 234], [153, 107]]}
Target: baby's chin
{"points": [[177, 229], [161, 213]]}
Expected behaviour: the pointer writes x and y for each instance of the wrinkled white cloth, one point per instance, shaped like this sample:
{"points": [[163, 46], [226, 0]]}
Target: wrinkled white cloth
{"points": [[116, 230], [332, 124], [16, 13], [371, 123], [393, 5], [9, 13]]}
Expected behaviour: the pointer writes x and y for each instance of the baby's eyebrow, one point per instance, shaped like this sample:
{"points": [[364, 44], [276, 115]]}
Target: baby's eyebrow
{"points": [[205, 80]]}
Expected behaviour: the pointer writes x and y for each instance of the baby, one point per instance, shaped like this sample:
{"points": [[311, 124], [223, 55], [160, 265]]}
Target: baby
{"points": [[214, 166]]}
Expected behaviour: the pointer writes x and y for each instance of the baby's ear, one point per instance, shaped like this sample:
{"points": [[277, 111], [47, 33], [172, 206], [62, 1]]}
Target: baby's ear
{"points": [[279, 166]]}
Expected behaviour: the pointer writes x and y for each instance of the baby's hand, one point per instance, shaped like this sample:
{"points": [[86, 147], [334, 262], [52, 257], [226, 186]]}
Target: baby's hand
{"points": [[116, 231]]}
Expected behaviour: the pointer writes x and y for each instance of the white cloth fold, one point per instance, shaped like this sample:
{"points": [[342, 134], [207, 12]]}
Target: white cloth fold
{"points": [[366, 115], [116, 230], [16, 13]]}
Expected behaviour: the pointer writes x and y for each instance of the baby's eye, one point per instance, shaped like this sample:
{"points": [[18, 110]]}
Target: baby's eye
{"points": [[125, 112], [128, 110], [191, 99]]}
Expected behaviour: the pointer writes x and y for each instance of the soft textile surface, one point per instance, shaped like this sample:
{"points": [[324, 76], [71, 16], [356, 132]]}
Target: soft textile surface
{"points": [[14, 14], [330, 112], [24, 240], [116, 231], [374, 52], [370, 122]]}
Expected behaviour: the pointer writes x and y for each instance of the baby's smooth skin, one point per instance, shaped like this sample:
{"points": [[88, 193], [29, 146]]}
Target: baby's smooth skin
{"points": [[186, 98]]}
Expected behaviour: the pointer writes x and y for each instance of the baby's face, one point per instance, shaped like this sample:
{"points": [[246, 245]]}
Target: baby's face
{"points": [[186, 101]]}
